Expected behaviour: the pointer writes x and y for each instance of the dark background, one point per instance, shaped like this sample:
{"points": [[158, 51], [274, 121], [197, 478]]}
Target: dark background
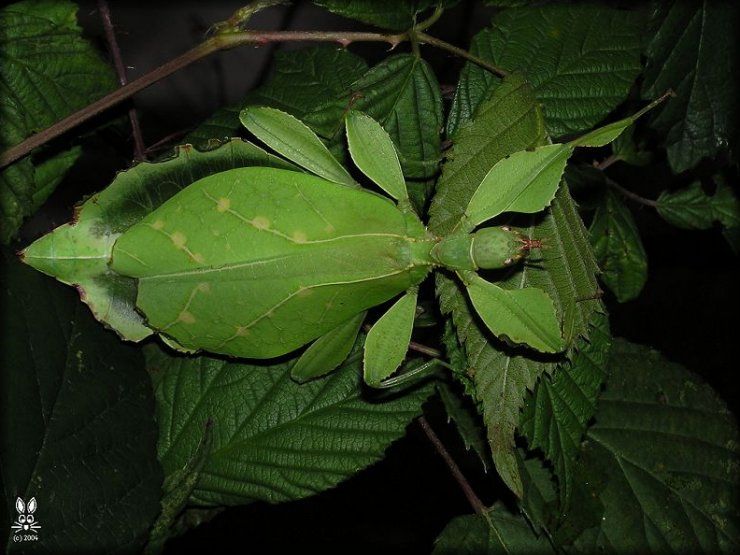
{"points": [[402, 503]]}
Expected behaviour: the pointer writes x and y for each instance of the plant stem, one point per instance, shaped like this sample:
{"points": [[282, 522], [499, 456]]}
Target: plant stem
{"points": [[442, 45], [115, 52], [419, 348], [225, 41], [473, 499], [606, 162], [629, 194], [81, 116]]}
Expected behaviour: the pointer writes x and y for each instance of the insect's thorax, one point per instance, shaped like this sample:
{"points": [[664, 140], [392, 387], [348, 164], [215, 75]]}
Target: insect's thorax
{"points": [[487, 248]]}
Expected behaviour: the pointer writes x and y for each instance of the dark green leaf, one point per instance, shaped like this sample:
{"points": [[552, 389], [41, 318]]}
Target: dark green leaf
{"points": [[495, 531], [626, 150], [694, 52], [462, 412], [458, 399], [47, 71], [223, 124], [402, 94], [580, 59], [78, 432], [540, 500], [668, 449], [273, 439], [556, 414], [692, 208], [618, 248], [507, 122], [307, 83], [396, 15]]}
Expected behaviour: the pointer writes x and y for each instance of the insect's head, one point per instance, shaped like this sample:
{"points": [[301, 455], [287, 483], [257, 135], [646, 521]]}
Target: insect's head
{"points": [[500, 247]]}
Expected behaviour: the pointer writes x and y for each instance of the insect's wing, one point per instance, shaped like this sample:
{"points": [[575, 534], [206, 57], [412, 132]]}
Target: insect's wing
{"points": [[372, 150], [525, 182], [293, 139], [388, 340], [328, 351], [521, 315]]}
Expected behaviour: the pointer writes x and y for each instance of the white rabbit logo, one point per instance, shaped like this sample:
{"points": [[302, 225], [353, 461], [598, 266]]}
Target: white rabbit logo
{"points": [[26, 522]]}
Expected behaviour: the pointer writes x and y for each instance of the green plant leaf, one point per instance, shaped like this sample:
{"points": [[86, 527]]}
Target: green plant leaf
{"points": [[493, 532], [273, 439], [78, 432], [625, 148], [668, 448], [692, 208], [396, 15], [78, 253], [581, 60], [508, 122], [556, 414], [47, 71], [460, 405], [304, 82], [308, 84], [693, 52], [618, 248], [540, 500], [402, 94], [460, 410], [222, 125]]}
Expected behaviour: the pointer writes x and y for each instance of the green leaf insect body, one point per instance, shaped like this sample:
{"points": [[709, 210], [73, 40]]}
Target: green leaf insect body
{"points": [[257, 262]]}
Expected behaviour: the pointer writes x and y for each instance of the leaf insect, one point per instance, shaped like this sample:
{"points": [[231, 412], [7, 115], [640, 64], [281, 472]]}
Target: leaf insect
{"points": [[257, 262]]}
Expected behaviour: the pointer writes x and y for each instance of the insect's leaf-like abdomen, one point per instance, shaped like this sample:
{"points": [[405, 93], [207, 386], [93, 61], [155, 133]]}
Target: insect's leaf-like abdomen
{"points": [[256, 262]]}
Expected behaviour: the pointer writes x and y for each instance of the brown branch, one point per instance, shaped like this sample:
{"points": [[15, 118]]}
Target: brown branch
{"points": [[442, 45], [630, 195], [91, 110], [115, 52], [224, 41], [467, 489], [606, 162]]}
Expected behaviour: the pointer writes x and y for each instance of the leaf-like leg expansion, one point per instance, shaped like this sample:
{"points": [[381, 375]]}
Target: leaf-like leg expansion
{"points": [[525, 182], [521, 315], [388, 340], [373, 151], [328, 351], [293, 139], [606, 134]]}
